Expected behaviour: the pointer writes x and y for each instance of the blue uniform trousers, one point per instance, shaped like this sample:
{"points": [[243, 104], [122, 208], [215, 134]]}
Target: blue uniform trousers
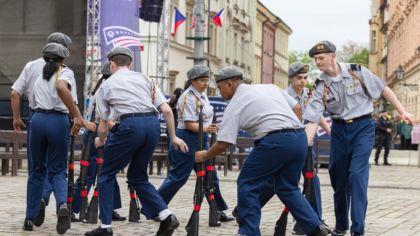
{"points": [[181, 166], [132, 142], [49, 144], [351, 145], [93, 153], [47, 190], [278, 156], [267, 192]]}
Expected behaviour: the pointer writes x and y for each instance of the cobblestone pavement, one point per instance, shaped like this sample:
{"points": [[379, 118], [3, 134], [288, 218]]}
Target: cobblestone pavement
{"points": [[394, 206]]}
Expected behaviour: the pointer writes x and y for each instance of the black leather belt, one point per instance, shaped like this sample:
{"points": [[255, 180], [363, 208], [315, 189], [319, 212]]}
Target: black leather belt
{"points": [[138, 115], [349, 121], [286, 131], [256, 142], [50, 111]]}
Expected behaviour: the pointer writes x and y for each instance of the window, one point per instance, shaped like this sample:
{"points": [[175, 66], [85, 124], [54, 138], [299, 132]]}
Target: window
{"points": [[373, 42]]}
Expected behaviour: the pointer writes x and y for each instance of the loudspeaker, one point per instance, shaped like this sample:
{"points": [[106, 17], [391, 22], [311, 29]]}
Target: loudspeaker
{"points": [[151, 10]]}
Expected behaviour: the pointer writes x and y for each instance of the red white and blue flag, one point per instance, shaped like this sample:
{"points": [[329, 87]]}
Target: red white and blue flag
{"points": [[177, 20], [121, 36], [218, 18]]}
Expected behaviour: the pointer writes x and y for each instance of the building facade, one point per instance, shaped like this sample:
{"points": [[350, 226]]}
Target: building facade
{"points": [[403, 54], [271, 48], [378, 44], [231, 44], [378, 50], [24, 27]]}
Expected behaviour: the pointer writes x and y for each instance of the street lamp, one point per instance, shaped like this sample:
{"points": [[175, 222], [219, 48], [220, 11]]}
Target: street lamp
{"points": [[400, 72], [400, 75]]}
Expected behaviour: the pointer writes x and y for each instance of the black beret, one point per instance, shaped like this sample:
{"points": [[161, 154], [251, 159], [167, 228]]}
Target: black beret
{"points": [[322, 47]]}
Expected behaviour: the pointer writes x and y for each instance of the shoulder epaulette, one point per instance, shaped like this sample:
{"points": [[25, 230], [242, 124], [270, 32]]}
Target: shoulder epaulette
{"points": [[355, 67], [190, 92], [317, 81]]}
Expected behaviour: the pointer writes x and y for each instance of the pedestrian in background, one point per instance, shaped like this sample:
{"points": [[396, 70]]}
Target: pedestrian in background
{"points": [[384, 134]]}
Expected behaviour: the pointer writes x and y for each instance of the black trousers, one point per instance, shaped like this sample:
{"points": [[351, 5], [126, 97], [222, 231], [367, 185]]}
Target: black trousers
{"points": [[385, 142]]}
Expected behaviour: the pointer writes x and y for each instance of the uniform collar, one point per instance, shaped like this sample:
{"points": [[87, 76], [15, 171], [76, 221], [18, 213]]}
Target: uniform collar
{"points": [[196, 92], [293, 93], [344, 74]]}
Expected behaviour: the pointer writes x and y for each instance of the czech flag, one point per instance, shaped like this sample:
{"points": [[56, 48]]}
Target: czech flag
{"points": [[218, 18], [177, 20]]}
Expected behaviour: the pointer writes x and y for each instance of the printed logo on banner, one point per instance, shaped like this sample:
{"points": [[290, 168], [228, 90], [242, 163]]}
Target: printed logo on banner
{"points": [[121, 36]]}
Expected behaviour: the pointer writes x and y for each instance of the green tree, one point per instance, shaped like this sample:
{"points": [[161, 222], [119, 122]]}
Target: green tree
{"points": [[361, 57], [353, 52], [303, 56]]}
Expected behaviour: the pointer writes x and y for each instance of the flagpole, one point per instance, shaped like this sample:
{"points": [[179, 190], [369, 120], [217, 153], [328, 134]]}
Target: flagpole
{"points": [[208, 33], [199, 33]]}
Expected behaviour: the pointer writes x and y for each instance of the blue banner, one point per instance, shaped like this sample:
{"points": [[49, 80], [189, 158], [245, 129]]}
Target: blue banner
{"points": [[119, 26]]}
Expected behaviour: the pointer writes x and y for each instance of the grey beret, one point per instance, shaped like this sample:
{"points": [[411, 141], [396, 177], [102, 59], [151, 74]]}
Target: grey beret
{"points": [[227, 73], [105, 70], [56, 49], [297, 68], [120, 50], [322, 47], [198, 71], [58, 37]]}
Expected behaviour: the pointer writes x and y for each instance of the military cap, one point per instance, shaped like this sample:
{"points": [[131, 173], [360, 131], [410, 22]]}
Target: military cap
{"points": [[120, 50], [322, 47], [58, 37], [227, 73], [105, 70], [56, 49], [297, 68], [198, 71]]}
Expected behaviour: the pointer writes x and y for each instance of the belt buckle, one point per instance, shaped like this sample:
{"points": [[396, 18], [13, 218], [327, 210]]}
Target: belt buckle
{"points": [[349, 121]]}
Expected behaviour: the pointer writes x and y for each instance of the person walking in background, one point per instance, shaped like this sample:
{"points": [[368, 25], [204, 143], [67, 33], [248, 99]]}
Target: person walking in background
{"points": [[405, 130], [384, 135]]}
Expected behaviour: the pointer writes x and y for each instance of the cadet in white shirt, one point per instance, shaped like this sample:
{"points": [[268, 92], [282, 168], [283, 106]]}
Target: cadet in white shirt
{"points": [[134, 100], [93, 154], [346, 91], [269, 116], [24, 85], [188, 114], [54, 98], [298, 75]]}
